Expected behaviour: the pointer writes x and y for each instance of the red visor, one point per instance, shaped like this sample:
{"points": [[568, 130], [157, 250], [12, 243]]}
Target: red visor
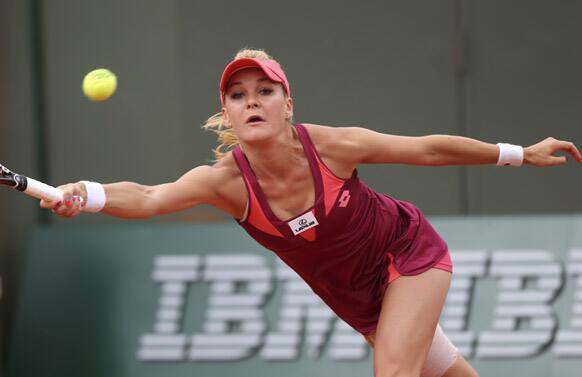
{"points": [[271, 68]]}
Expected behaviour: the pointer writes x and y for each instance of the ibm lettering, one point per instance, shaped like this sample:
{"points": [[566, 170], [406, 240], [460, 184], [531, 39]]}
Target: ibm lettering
{"points": [[522, 321]]}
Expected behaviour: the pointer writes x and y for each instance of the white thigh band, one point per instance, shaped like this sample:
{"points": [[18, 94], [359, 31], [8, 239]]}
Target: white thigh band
{"points": [[441, 356]]}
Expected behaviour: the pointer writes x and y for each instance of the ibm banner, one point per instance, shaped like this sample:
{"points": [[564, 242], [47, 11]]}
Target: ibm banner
{"points": [[148, 300]]}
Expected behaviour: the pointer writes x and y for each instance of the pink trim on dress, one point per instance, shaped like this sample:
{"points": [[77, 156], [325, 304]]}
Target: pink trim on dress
{"points": [[331, 186], [444, 264], [256, 216], [309, 234]]}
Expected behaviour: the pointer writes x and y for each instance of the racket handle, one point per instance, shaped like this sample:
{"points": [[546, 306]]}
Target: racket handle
{"points": [[41, 190]]}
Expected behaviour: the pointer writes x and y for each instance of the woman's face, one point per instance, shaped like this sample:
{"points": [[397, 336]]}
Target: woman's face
{"points": [[255, 107]]}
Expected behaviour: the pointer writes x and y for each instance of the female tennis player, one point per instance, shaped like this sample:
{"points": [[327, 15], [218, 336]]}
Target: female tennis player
{"points": [[294, 188]]}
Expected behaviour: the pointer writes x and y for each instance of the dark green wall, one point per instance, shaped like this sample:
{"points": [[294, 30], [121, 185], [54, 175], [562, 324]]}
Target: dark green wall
{"points": [[17, 136], [389, 66]]}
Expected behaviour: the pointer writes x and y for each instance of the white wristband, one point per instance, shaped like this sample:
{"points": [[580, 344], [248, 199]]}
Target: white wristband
{"points": [[95, 196], [510, 155]]}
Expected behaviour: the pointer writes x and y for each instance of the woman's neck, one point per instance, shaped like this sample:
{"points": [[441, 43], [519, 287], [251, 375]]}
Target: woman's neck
{"points": [[275, 158]]}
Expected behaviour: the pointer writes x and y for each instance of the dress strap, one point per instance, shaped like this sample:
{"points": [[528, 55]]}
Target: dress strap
{"points": [[310, 153]]}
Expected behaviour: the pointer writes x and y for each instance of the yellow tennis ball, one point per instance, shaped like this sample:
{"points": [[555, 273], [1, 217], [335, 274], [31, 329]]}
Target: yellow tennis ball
{"points": [[99, 84]]}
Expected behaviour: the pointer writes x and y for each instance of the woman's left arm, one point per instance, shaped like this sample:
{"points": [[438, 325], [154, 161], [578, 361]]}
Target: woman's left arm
{"points": [[367, 146]]}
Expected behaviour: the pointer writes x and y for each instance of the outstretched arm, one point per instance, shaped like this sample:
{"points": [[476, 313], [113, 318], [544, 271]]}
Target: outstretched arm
{"points": [[367, 146], [133, 200]]}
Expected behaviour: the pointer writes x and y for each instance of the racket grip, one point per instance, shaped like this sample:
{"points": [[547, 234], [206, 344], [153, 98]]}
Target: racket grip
{"points": [[43, 191]]}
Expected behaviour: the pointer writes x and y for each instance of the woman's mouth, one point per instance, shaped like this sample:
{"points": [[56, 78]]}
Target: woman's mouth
{"points": [[254, 119]]}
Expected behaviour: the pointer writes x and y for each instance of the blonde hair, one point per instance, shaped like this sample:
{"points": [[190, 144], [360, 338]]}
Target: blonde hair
{"points": [[226, 137]]}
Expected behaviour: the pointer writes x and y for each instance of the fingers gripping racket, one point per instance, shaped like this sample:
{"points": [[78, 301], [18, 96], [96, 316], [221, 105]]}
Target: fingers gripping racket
{"points": [[29, 186]]}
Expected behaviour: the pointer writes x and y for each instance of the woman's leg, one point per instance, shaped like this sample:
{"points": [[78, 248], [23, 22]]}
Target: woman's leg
{"points": [[410, 312], [443, 359], [461, 368]]}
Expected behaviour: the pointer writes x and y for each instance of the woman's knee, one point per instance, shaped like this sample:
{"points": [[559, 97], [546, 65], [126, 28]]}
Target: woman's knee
{"points": [[397, 367], [394, 362], [461, 368], [395, 371]]}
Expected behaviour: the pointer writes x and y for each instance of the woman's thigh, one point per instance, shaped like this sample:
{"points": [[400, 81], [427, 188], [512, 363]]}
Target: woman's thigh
{"points": [[410, 312]]}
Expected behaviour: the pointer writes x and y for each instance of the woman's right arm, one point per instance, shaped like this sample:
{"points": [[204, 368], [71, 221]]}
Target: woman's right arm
{"points": [[135, 201]]}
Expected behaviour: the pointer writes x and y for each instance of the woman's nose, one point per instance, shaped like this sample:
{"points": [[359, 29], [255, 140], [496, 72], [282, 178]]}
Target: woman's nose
{"points": [[252, 102]]}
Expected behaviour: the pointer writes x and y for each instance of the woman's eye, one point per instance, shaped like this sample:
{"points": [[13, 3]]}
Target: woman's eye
{"points": [[266, 91], [236, 95]]}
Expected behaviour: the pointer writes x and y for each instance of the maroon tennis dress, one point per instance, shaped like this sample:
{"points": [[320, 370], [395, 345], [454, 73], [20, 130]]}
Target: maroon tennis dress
{"points": [[347, 244]]}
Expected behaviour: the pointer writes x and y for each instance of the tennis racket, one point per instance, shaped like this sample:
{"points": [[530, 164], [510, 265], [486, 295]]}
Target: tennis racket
{"points": [[29, 186]]}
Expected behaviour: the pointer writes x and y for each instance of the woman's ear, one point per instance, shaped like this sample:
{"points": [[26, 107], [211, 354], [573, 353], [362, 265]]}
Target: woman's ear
{"points": [[289, 108], [225, 117]]}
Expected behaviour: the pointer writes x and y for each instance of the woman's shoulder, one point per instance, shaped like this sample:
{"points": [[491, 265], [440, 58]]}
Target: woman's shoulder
{"points": [[335, 146], [331, 134], [332, 140], [230, 185], [226, 168], [217, 176]]}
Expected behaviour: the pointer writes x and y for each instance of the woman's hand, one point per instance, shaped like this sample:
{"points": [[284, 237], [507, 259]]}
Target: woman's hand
{"points": [[74, 196], [542, 153]]}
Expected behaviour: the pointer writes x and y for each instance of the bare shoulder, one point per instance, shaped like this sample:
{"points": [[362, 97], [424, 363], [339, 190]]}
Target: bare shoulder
{"points": [[225, 168], [330, 139], [337, 146], [219, 185], [225, 173], [229, 185], [211, 175]]}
